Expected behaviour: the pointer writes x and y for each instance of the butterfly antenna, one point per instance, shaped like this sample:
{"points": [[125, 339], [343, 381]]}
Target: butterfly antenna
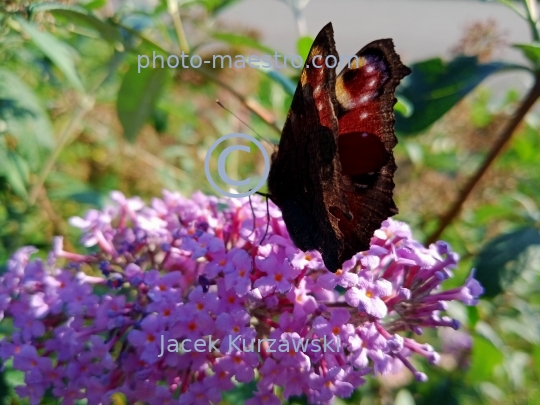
{"points": [[265, 195], [243, 122], [252, 213], [267, 222]]}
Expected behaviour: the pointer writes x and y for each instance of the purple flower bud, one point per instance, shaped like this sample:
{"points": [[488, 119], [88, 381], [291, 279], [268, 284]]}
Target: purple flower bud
{"points": [[395, 343], [420, 377], [434, 358], [404, 293], [166, 247]]}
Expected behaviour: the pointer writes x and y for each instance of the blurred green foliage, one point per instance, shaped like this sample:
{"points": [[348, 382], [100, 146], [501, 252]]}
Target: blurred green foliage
{"points": [[77, 120]]}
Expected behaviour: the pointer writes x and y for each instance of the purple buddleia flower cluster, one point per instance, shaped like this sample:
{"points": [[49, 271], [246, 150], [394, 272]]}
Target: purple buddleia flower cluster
{"points": [[178, 301]]}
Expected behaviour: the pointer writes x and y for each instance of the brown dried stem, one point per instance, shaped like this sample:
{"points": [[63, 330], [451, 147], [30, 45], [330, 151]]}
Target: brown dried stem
{"points": [[505, 135]]}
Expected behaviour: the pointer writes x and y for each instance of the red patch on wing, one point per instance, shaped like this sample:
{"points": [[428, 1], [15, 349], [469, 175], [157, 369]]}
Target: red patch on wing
{"points": [[361, 118], [361, 153]]}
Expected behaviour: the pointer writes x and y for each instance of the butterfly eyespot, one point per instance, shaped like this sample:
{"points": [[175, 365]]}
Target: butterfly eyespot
{"points": [[370, 69]]}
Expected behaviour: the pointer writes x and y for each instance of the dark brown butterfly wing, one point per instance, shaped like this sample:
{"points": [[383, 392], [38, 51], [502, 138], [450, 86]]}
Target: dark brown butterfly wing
{"points": [[365, 93], [332, 175], [305, 174]]}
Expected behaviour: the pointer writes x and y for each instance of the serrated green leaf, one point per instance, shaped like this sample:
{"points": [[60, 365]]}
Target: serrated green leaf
{"points": [[436, 86], [504, 258], [137, 98], [61, 54]]}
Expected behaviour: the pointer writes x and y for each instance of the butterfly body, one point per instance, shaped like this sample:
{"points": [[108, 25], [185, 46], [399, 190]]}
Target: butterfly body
{"points": [[332, 174]]}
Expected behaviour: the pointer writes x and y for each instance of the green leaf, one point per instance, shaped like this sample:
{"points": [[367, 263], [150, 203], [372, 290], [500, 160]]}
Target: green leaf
{"points": [[504, 258], [16, 171], [303, 46], [94, 4], [472, 316], [80, 15], [137, 98], [93, 198], [61, 54], [11, 376], [242, 40], [240, 394], [403, 106], [404, 397], [531, 51], [4, 390], [216, 6], [485, 357], [24, 118], [287, 84], [107, 31], [435, 87], [536, 356], [40, 7]]}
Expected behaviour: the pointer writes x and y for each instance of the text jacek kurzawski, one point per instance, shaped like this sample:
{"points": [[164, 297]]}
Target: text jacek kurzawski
{"points": [[240, 344]]}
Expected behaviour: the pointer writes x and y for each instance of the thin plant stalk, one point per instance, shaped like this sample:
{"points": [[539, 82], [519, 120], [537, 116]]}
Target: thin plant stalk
{"points": [[532, 18], [174, 12], [503, 139], [85, 105]]}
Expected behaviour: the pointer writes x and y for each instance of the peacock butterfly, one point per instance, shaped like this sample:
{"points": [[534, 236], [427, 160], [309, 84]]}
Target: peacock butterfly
{"points": [[332, 174]]}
